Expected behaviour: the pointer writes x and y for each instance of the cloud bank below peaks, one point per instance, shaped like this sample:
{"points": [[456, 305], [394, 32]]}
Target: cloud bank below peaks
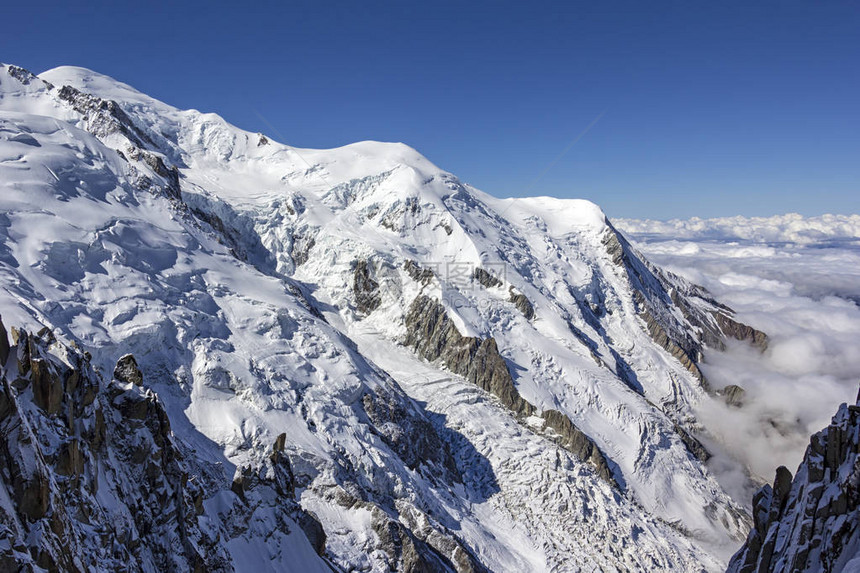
{"points": [[797, 279]]}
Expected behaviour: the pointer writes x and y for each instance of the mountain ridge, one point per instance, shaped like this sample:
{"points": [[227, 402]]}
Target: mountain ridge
{"points": [[256, 283]]}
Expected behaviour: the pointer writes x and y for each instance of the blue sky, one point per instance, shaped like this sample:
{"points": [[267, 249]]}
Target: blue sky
{"points": [[702, 108]]}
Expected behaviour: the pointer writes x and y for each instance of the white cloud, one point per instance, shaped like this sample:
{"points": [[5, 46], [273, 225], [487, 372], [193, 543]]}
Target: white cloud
{"points": [[790, 228], [798, 280]]}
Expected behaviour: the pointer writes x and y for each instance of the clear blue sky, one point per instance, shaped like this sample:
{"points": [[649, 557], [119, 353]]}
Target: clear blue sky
{"points": [[709, 108]]}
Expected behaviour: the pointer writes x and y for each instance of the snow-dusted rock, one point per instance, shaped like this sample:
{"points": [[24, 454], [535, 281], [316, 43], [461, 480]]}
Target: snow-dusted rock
{"points": [[811, 522], [95, 480], [462, 382]]}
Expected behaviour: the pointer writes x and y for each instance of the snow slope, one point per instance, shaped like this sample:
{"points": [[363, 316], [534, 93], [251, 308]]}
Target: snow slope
{"points": [[266, 289]]}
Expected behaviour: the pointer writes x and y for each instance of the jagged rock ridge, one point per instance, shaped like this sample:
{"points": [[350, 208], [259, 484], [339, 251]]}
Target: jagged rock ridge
{"points": [[810, 522], [94, 479]]}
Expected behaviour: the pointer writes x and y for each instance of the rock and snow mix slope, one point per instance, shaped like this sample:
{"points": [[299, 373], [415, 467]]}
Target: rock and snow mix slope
{"points": [[95, 480], [810, 522], [463, 382]]}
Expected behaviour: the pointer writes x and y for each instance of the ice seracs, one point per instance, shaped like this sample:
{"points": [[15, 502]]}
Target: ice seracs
{"points": [[454, 381]]}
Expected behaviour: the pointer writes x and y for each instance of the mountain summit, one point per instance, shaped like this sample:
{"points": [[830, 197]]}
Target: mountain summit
{"points": [[234, 354]]}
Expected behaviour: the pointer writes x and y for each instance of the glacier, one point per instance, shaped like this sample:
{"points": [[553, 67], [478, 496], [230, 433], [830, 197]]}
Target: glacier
{"points": [[366, 363]]}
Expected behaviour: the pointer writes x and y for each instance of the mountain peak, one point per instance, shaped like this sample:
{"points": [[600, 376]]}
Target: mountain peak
{"points": [[96, 84], [439, 369]]}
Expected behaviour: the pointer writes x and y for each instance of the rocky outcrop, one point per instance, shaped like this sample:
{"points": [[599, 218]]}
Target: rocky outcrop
{"points": [[406, 553], [410, 539], [4, 344], [733, 395], [25, 76], [654, 302], [365, 289], [418, 273], [92, 477], [810, 523], [740, 331], [485, 278], [523, 304], [660, 295], [47, 385], [435, 337], [661, 337], [614, 247], [575, 441], [127, 371], [521, 301], [69, 451], [432, 334], [301, 246], [269, 488], [103, 117], [413, 438]]}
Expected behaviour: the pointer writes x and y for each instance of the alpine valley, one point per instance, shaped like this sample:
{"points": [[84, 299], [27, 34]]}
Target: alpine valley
{"points": [[222, 353]]}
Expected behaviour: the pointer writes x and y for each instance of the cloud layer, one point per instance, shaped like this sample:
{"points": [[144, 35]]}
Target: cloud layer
{"points": [[797, 279]]}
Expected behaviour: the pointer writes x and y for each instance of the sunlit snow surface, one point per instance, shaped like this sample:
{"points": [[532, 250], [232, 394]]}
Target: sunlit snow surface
{"points": [[213, 314], [796, 278]]}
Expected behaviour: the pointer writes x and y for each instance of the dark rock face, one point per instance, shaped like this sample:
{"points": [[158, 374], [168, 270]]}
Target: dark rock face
{"points": [[56, 444], [4, 344], [740, 331], [523, 304], [432, 334], [485, 278], [662, 338], [96, 480], [614, 247], [365, 289], [127, 371], [22, 75], [407, 554], [435, 337], [489, 280], [103, 116], [657, 293], [47, 386], [733, 395], [693, 445], [574, 440], [413, 438], [417, 545], [654, 301], [810, 523], [418, 274], [301, 247]]}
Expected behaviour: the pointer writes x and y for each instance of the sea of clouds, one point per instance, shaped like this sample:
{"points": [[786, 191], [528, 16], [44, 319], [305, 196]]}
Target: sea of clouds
{"points": [[798, 280]]}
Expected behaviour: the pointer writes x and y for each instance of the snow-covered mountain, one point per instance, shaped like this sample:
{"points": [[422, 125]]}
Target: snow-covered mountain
{"points": [[357, 353]]}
